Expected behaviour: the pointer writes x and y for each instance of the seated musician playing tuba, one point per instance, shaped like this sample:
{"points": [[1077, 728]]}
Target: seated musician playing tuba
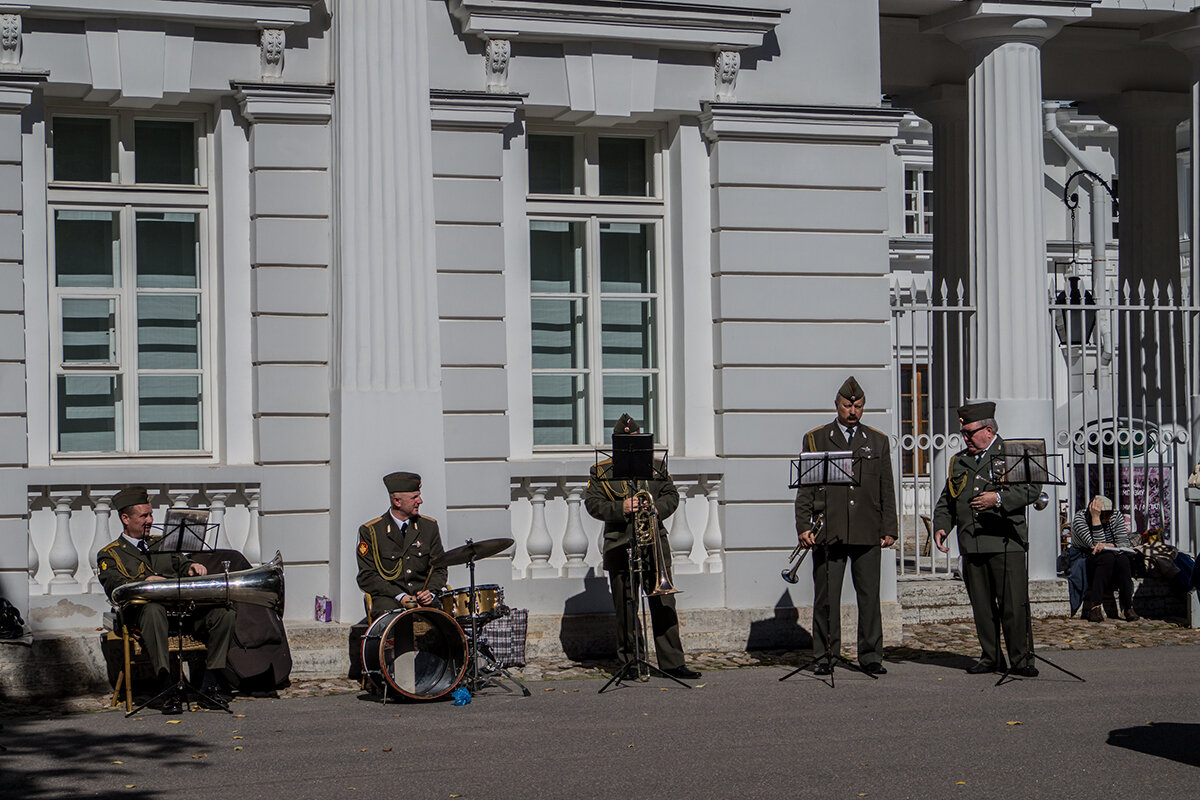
{"points": [[130, 558], [619, 504]]}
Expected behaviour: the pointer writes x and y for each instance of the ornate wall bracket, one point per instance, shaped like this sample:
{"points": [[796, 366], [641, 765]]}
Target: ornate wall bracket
{"points": [[495, 61], [728, 63], [271, 46], [10, 41]]}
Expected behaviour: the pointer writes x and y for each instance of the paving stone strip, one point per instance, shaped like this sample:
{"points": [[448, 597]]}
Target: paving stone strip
{"points": [[926, 641]]}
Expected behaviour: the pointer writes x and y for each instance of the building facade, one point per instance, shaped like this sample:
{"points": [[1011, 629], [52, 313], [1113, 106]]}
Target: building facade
{"points": [[257, 254]]}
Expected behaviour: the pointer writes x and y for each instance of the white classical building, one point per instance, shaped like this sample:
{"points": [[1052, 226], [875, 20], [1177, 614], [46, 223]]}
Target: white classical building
{"points": [[255, 254]]}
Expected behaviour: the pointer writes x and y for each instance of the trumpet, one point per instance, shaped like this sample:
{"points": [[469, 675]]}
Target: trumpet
{"points": [[801, 552]]}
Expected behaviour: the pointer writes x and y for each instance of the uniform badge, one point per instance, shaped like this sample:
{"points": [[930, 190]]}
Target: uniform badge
{"points": [[362, 548], [103, 565]]}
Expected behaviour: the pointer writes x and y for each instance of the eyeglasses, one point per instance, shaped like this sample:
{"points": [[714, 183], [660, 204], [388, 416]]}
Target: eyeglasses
{"points": [[971, 433]]}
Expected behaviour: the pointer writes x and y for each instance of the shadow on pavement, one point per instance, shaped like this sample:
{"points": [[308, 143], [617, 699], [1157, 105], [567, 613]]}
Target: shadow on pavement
{"points": [[920, 655], [88, 758], [1177, 741]]}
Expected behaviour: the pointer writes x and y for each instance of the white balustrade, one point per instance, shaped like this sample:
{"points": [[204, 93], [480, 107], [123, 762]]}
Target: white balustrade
{"points": [[556, 538], [69, 525]]}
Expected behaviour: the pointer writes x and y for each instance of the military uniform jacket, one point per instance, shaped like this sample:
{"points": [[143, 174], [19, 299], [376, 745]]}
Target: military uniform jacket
{"points": [[605, 500], [389, 564], [991, 529], [861, 513], [120, 562]]}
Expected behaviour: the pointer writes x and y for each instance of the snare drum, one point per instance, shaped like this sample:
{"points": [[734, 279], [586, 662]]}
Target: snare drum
{"points": [[489, 602], [419, 653]]}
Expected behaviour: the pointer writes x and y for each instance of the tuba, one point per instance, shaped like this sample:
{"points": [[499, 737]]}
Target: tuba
{"points": [[645, 531], [260, 586]]}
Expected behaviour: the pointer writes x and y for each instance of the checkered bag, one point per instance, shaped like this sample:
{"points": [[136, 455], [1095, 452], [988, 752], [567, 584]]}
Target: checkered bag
{"points": [[506, 636]]}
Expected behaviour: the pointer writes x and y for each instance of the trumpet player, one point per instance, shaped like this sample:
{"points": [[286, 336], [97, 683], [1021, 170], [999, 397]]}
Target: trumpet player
{"points": [[859, 519], [130, 558], [617, 503]]}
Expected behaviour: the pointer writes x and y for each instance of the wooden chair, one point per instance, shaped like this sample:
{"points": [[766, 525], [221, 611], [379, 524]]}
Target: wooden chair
{"points": [[119, 635]]}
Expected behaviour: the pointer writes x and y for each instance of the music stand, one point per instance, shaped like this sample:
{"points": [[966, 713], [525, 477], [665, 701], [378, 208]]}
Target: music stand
{"points": [[1024, 462], [633, 460], [820, 469], [183, 687], [186, 530]]}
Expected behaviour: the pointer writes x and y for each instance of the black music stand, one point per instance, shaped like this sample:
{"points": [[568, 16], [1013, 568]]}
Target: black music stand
{"points": [[633, 459], [1025, 462], [820, 469], [183, 687], [186, 530], [478, 647]]}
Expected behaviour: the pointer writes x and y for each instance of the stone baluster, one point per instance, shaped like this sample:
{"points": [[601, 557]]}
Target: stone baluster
{"points": [[64, 559], [35, 561], [539, 544], [575, 540], [216, 519], [252, 549], [712, 530], [100, 537], [681, 537]]}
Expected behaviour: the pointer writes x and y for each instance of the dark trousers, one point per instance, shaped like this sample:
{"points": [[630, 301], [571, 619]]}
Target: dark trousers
{"points": [[998, 586], [213, 626], [664, 621], [827, 606], [1107, 570]]}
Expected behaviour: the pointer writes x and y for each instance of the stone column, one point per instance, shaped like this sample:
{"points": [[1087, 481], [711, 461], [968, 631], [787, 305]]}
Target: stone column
{"points": [[387, 397], [1007, 237]]}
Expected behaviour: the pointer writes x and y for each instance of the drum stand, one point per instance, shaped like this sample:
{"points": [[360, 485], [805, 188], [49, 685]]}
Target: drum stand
{"points": [[183, 688], [478, 650]]}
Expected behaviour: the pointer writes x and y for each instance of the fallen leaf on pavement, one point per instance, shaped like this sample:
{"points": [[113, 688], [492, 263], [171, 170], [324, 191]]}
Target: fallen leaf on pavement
{"points": [[174, 721], [131, 786], [239, 747], [387, 749], [1013, 722], [118, 762], [239, 716]]}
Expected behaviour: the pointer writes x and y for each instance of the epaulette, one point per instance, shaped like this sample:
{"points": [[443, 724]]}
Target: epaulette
{"points": [[876, 430], [372, 522], [423, 516], [811, 437]]}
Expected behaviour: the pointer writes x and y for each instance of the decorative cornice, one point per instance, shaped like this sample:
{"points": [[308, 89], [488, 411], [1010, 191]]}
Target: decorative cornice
{"points": [[17, 88], [679, 24], [478, 111], [225, 13], [745, 121], [284, 102], [982, 23]]}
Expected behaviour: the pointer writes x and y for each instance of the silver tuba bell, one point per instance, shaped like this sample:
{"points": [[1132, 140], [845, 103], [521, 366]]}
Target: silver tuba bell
{"points": [[260, 586]]}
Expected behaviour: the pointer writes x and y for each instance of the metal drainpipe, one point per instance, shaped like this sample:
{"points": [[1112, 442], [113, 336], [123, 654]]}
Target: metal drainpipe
{"points": [[1099, 235]]}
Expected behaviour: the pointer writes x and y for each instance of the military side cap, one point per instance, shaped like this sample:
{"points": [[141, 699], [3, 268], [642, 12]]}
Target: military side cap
{"points": [[132, 496], [402, 482], [976, 412], [851, 390], [626, 424]]}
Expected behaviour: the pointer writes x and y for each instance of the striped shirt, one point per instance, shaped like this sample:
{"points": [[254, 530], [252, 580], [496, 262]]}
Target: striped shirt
{"points": [[1113, 532]]}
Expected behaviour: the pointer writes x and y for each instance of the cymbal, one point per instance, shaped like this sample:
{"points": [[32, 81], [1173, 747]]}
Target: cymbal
{"points": [[472, 552]]}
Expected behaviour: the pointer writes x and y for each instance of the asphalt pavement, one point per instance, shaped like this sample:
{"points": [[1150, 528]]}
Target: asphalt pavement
{"points": [[924, 730]]}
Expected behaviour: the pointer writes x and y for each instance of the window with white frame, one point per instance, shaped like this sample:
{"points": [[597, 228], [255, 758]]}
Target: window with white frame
{"points": [[595, 253], [918, 200], [128, 219]]}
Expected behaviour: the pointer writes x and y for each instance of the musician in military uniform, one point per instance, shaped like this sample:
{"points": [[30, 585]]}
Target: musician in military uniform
{"points": [[396, 551], [614, 503], [993, 540], [859, 519], [130, 558]]}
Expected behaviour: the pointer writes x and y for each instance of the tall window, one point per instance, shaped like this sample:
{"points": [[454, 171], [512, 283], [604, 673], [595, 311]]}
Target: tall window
{"points": [[595, 243], [918, 200], [128, 221]]}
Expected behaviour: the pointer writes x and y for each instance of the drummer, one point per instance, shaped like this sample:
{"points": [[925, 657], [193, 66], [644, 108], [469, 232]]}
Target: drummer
{"points": [[396, 551]]}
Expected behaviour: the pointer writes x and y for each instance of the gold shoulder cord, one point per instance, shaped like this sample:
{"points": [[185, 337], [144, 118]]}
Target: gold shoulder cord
{"points": [[383, 573], [116, 557], [955, 491]]}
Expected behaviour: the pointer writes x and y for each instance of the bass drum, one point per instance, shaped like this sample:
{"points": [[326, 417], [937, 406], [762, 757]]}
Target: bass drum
{"points": [[418, 653]]}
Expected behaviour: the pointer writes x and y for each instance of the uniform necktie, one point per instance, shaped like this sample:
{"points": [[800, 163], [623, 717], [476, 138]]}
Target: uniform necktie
{"points": [[849, 434], [145, 548]]}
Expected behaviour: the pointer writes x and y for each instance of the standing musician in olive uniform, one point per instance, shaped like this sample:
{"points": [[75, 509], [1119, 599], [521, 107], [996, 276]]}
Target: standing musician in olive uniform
{"points": [[860, 518], [129, 559], [396, 551], [993, 539], [613, 502]]}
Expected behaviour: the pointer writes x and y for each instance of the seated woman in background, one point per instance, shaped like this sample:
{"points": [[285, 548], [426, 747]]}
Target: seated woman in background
{"points": [[1099, 531]]}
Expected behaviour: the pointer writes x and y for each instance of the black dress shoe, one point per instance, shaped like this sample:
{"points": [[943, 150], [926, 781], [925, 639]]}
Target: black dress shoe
{"points": [[874, 668], [1027, 671], [171, 705], [824, 668], [212, 703], [980, 667], [683, 672]]}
